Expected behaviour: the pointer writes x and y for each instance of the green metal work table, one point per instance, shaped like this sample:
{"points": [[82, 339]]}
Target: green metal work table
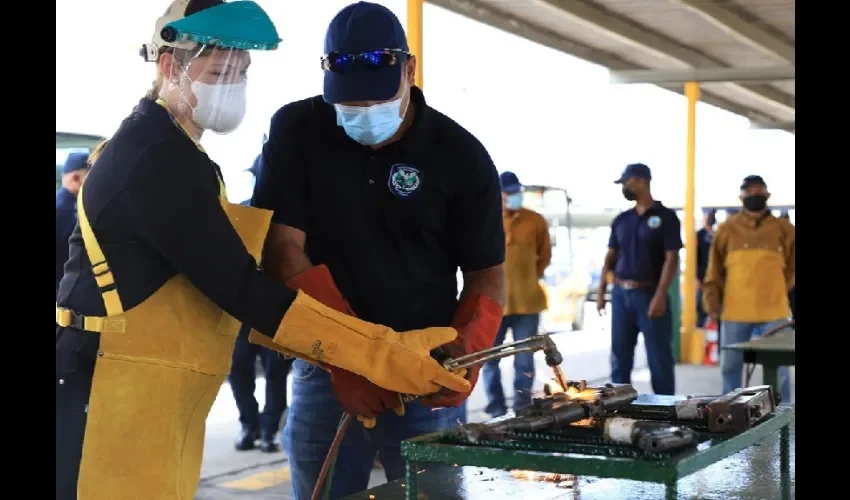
{"points": [[756, 464], [770, 352]]}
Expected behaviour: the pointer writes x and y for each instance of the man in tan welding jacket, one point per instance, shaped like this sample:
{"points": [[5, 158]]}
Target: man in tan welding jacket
{"points": [[528, 251], [750, 271]]}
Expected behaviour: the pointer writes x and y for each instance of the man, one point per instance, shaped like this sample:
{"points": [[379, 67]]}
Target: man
{"points": [[643, 251], [73, 174], [751, 268], [704, 239], [163, 270], [255, 425], [378, 199], [528, 250]]}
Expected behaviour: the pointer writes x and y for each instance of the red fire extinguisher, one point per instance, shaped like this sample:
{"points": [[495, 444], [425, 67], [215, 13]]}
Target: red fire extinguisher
{"points": [[712, 347]]}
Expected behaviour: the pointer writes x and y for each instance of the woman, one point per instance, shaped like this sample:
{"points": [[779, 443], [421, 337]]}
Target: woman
{"points": [[163, 269]]}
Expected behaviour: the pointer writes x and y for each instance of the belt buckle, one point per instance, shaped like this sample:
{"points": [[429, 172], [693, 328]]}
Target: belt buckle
{"points": [[629, 285], [77, 320]]}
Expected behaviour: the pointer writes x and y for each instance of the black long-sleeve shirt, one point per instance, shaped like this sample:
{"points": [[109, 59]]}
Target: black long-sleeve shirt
{"points": [[704, 239], [152, 201]]}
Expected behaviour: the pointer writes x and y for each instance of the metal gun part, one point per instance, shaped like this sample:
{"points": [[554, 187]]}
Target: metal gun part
{"points": [[606, 397], [741, 409], [736, 411], [560, 410], [652, 437]]}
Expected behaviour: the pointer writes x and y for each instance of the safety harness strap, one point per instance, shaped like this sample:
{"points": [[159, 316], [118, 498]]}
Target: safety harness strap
{"points": [[100, 268]]}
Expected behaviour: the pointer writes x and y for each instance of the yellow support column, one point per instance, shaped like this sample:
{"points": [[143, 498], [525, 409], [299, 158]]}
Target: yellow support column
{"points": [[689, 312], [414, 34]]}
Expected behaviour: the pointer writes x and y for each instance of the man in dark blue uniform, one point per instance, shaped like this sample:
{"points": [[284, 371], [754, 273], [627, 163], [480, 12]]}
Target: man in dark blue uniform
{"points": [[643, 251], [73, 173], [378, 199], [704, 238], [255, 425]]}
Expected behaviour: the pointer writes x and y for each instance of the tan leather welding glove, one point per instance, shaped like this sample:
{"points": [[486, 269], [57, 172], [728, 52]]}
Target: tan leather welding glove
{"points": [[398, 361]]}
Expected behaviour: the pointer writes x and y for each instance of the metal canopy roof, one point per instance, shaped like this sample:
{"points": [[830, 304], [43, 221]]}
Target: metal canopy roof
{"points": [[665, 35]]}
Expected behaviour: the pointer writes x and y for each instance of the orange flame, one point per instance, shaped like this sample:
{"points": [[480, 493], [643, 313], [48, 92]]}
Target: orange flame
{"points": [[553, 387]]}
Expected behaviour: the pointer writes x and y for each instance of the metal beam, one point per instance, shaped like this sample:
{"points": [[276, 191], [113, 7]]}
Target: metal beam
{"points": [[495, 18], [703, 75], [612, 25], [760, 125], [733, 24]]}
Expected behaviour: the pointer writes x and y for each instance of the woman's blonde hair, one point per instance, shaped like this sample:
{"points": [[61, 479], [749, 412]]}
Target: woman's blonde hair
{"points": [[95, 154]]}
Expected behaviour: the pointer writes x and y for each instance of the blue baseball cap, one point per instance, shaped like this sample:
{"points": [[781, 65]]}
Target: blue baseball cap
{"points": [[635, 170], [362, 27], [510, 183], [753, 180], [75, 161]]}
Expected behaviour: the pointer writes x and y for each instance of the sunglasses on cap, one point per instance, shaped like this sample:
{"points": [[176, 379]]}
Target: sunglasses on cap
{"points": [[343, 62]]}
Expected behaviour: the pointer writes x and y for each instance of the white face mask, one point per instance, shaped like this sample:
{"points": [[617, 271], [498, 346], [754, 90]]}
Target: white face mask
{"points": [[220, 108]]}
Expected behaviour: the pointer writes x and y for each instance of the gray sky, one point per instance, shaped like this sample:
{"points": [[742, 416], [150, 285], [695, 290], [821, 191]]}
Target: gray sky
{"points": [[551, 118]]}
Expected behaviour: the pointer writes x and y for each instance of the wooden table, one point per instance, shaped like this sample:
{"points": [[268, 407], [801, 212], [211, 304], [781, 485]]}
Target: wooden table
{"points": [[770, 352]]}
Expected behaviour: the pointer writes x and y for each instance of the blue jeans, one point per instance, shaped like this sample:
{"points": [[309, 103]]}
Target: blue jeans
{"points": [[732, 362], [630, 316], [314, 415], [242, 380], [522, 326]]}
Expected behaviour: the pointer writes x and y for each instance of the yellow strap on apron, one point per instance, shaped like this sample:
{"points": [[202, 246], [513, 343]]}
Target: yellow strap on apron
{"points": [[102, 273]]}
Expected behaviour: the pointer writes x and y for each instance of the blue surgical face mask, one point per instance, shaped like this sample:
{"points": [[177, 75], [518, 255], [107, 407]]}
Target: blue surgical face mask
{"points": [[513, 201], [370, 125]]}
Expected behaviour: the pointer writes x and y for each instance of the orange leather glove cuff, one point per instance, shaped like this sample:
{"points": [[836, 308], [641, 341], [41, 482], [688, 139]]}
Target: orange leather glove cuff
{"points": [[355, 393], [477, 320], [318, 283]]}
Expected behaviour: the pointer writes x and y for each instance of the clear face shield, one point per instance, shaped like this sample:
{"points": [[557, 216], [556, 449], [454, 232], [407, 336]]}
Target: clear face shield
{"points": [[207, 84], [203, 60]]}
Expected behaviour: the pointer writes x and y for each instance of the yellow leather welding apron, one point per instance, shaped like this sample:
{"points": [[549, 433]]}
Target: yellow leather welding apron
{"points": [[158, 372]]}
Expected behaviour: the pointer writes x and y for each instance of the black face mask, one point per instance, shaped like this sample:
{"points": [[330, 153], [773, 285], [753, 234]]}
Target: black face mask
{"points": [[711, 221], [755, 202], [629, 194]]}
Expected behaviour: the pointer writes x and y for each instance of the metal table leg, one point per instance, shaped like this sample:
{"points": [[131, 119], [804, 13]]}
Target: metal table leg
{"points": [[410, 478], [785, 462], [672, 490], [771, 376]]}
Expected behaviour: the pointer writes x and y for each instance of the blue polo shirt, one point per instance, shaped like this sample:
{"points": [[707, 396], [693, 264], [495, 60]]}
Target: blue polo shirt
{"points": [[642, 240]]}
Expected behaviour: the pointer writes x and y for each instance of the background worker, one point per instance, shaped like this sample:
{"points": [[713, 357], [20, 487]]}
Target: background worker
{"points": [[643, 251], [378, 199], [792, 294], [73, 174], [704, 238], [257, 426], [750, 271], [528, 251], [162, 270]]}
